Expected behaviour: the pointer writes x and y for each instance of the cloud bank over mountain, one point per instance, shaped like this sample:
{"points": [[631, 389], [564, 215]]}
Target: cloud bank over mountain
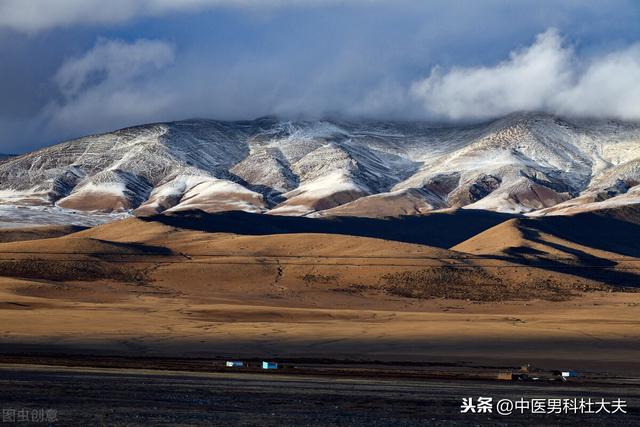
{"points": [[72, 68], [110, 83], [546, 76]]}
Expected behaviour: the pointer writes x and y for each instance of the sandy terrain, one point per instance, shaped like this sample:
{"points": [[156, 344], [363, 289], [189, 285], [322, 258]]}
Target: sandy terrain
{"points": [[143, 287]]}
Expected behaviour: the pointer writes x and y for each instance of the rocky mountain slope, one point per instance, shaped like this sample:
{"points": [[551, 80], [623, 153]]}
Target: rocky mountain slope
{"points": [[524, 163]]}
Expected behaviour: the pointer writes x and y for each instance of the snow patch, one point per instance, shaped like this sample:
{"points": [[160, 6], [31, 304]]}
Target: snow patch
{"points": [[24, 216]]}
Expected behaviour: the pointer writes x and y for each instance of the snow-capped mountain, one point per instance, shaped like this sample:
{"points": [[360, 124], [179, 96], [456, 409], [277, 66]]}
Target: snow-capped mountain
{"points": [[526, 162]]}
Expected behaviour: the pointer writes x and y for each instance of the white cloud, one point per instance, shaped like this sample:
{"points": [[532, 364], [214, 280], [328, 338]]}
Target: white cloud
{"points": [[112, 62], [118, 83], [610, 86], [546, 76], [38, 15], [108, 85]]}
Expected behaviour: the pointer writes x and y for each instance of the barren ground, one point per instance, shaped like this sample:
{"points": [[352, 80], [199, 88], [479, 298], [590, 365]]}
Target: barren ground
{"points": [[147, 290]]}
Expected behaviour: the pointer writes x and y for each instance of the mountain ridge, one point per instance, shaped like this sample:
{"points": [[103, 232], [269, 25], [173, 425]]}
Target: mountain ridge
{"points": [[533, 163]]}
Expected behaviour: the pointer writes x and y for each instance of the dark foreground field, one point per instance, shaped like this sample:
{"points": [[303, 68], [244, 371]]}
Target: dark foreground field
{"points": [[107, 396]]}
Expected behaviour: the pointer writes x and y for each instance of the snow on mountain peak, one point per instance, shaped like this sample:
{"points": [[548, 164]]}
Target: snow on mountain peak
{"points": [[523, 162]]}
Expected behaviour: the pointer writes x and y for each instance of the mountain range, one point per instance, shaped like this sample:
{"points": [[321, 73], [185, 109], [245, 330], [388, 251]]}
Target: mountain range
{"points": [[529, 163]]}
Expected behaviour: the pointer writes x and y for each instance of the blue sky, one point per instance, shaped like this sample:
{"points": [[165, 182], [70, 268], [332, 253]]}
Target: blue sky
{"points": [[70, 68]]}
